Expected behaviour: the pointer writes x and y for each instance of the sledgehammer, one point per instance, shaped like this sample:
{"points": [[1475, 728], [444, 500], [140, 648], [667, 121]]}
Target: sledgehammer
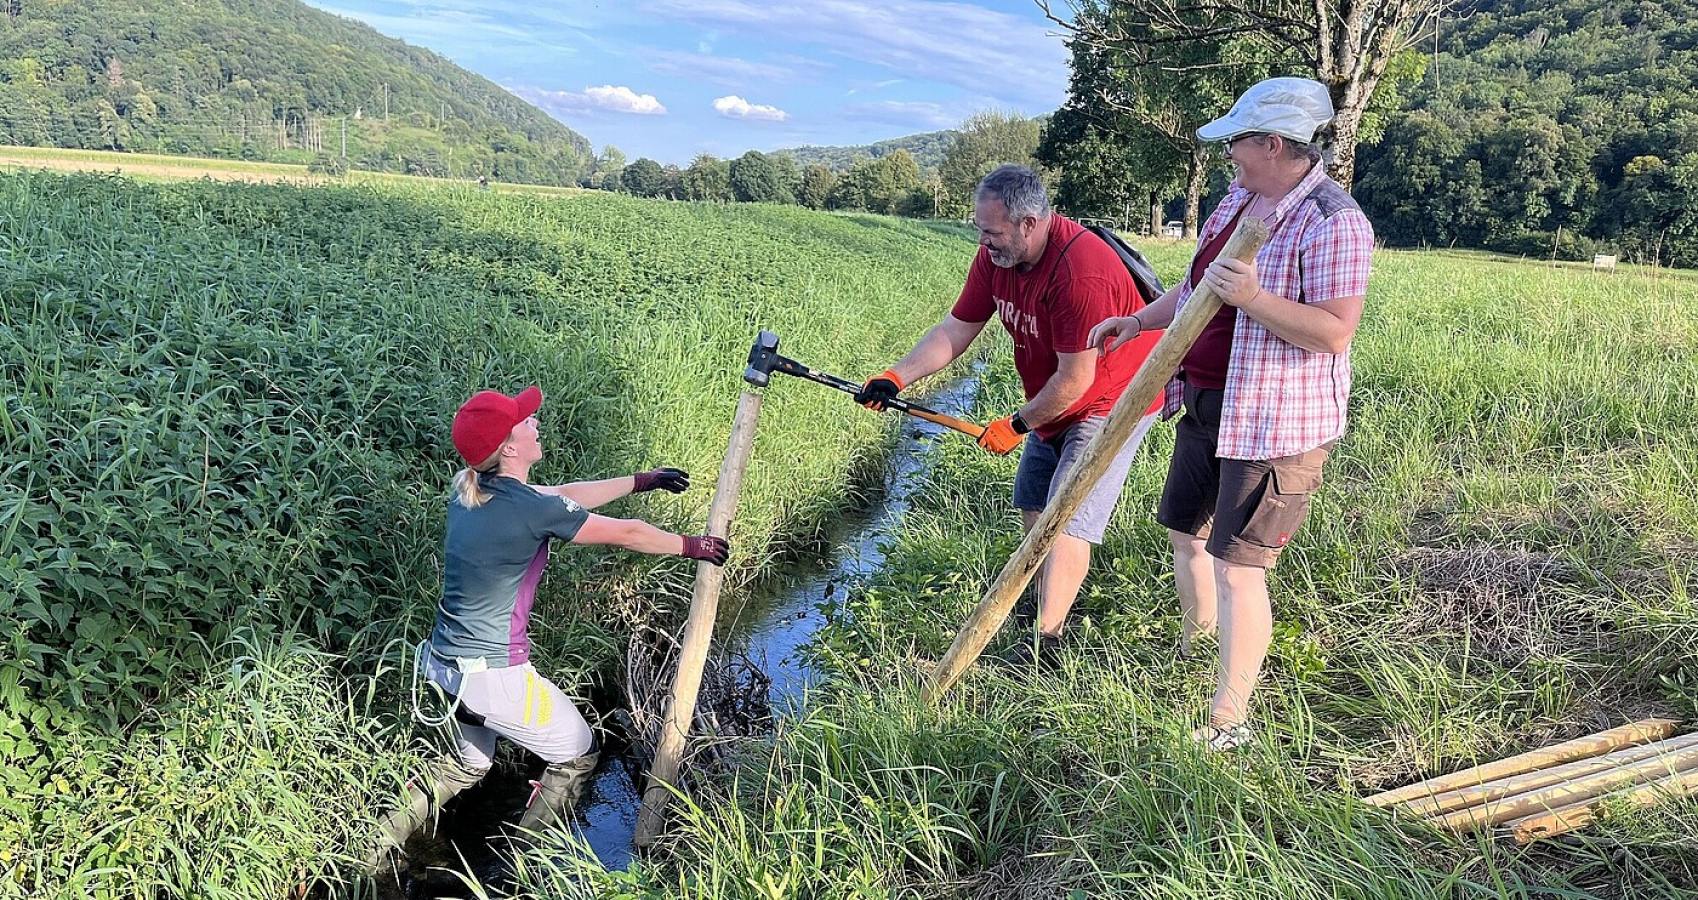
{"points": [[764, 360]]}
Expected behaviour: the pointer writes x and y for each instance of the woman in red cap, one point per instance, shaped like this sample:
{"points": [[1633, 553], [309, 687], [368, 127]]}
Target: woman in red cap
{"points": [[499, 530]]}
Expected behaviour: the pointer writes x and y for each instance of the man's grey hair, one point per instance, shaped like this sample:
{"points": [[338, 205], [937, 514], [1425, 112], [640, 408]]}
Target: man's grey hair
{"points": [[1019, 190]]}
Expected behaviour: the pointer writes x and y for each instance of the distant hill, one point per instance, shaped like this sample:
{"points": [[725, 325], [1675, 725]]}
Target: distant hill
{"points": [[1548, 128], [927, 150], [261, 79]]}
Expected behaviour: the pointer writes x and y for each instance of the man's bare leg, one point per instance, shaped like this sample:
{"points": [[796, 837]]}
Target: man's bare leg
{"points": [[1194, 578], [1060, 577], [1246, 629]]}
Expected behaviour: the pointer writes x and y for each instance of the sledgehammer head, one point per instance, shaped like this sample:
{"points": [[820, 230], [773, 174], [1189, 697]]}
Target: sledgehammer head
{"points": [[763, 358]]}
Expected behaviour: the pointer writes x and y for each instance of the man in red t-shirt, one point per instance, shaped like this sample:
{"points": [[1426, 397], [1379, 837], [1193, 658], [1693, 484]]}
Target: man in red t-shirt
{"points": [[1050, 282]]}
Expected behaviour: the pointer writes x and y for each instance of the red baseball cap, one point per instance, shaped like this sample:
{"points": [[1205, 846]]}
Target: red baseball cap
{"points": [[484, 422]]}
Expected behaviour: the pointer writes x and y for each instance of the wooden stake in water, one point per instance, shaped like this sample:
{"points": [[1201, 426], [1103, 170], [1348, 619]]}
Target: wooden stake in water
{"points": [[698, 630], [1147, 384]]}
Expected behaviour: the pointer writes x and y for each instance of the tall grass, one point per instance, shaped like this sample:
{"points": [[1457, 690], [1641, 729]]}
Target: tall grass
{"points": [[249, 785], [1502, 558], [226, 412]]}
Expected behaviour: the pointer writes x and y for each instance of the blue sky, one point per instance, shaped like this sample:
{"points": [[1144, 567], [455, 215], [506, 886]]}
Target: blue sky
{"points": [[669, 79]]}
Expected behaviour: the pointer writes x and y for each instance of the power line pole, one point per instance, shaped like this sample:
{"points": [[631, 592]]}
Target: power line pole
{"points": [[386, 102], [344, 137]]}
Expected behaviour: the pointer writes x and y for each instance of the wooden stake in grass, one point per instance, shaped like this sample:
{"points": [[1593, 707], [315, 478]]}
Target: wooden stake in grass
{"points": [[1564, 819], [1586, 787], [1152, 376], [1640, 732], [698, 629], [1463, 798]]}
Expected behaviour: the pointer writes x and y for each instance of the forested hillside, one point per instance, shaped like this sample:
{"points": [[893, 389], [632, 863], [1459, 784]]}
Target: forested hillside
{"points": [[927, 150], [1578, 115], [261, 79]]}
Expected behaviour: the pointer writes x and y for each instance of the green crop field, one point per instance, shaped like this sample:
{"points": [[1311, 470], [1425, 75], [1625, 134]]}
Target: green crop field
{"points": [[225, 410], [158, 167]]}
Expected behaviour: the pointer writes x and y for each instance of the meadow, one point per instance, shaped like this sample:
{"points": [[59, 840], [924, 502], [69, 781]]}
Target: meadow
{"points": [[1503, 557], [226, 412]]}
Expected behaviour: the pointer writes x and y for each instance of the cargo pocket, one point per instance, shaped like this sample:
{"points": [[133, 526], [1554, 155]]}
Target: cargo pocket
{"points": [[1284, 504]]}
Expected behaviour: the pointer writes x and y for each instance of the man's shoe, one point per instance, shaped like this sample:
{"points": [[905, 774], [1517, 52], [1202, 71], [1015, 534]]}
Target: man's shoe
{"points": [[1043, 651]]}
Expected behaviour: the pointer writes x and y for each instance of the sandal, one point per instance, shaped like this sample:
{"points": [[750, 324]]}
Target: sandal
{"points": [[1216, 739]]}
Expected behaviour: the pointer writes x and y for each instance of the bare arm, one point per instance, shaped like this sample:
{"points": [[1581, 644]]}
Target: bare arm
{"points": [[591, 494], [1073, 376], [1109, 334], [941, 346], [1160, 313], [631, 534]]}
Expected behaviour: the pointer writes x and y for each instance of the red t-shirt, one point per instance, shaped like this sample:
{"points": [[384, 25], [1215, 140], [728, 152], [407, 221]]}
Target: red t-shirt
{"points": [[1052, 307], [1205, 366]]}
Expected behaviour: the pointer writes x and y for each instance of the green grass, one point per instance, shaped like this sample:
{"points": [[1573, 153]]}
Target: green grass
{"points": [[1502, 558], [226, 409]]}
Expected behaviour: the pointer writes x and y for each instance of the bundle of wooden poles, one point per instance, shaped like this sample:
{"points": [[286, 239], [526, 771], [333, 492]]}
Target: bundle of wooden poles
{"points": [[1554, 790]]}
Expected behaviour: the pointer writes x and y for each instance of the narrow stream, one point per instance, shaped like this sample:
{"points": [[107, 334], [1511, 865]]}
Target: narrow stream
{"points": [[768, 626]]}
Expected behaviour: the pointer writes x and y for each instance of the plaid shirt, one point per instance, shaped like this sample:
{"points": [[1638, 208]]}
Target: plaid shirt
{"points": [[1282, 400]]}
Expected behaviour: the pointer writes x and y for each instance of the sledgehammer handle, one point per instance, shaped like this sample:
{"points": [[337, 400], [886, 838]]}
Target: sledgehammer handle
{"points": [[967, 428]]}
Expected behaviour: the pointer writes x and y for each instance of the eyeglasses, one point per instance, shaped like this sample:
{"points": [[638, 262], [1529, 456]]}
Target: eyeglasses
{"points": [[1252, 134]]}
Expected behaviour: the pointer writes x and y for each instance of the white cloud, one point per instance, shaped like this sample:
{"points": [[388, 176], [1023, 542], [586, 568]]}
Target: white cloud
{"points": [[607, 97], [1015, 58], [735, 107], [727, 70]]}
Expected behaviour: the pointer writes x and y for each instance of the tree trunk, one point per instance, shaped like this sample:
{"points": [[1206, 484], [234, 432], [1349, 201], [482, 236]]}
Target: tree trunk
{"points": [[1342, 167], [1155, 215], [1196, 172]]}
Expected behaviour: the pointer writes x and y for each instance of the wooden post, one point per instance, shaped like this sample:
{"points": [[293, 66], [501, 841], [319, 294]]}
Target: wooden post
{"points": [[1146, 385], [698, 629], [1639, 732], [1564, 819], [1512, 785], [1587, 787]]}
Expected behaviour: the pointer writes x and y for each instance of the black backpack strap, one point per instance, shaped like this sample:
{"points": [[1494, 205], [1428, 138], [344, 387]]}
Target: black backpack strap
{"points": [[1057, 267]]}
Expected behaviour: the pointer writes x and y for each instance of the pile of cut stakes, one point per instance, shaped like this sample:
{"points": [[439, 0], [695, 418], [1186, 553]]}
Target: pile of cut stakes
{"points": [[1547, 792]]}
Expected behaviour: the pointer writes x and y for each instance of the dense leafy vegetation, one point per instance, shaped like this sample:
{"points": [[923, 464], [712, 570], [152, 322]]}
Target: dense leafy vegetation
{"points": [[226, 411], [1562, 127]]}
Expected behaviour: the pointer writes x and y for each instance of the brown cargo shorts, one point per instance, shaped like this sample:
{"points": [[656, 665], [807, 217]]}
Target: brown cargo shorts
{"points": [[1248, 510]]}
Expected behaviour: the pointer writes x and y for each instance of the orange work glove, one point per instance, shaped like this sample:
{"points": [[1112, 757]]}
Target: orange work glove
{"points": [[1000, 436], [880, 389]]}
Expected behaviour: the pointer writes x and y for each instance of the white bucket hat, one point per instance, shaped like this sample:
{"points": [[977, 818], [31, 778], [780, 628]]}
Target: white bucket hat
{"points": [[1292, 108]]}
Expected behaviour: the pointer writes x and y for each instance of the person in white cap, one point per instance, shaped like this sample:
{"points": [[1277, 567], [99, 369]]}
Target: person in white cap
{"points": [[1264, 388]]}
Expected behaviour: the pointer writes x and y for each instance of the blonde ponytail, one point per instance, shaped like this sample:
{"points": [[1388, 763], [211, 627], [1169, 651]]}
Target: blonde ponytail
{"points": [[467, 489]]}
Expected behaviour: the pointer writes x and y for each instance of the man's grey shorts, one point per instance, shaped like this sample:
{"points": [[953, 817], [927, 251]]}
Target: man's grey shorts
{"points": [[1043, 463]]}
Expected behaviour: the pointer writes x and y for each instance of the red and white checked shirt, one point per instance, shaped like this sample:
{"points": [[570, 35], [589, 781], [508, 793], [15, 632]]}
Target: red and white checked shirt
{"points": [[1282, 400]]}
